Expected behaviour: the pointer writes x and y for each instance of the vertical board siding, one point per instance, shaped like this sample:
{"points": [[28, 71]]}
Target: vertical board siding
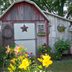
{"points": [[54, 34], [41, 40], [23, 12]]}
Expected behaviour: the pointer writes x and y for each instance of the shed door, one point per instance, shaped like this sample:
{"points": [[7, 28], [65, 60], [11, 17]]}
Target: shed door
{"points": [[24, 34]]}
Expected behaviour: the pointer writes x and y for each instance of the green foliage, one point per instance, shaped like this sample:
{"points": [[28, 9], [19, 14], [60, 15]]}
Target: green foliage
{"points": [[60, 47], [2, 55], [42, 49], [69, 10], [23, 62], [4, 5], [2, 52]]}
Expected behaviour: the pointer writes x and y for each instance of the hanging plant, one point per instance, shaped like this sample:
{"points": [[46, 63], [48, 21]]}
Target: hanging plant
{"points": [[60, 28], [41, 33]]}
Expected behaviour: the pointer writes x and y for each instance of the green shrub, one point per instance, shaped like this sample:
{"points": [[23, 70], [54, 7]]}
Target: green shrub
{"points": [[42, 49], [60, 47], [56, 56], [2, 55]]}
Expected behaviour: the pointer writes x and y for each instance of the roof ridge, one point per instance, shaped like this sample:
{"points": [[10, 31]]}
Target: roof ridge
{"points": [[57, 16], [31, 2]]}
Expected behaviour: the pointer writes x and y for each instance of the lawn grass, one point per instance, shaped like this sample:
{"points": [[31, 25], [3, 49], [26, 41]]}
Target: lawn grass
{"points": [[61, 66]]}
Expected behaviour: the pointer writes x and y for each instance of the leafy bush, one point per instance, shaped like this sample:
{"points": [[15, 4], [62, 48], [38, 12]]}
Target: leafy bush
{"points": [[2, 55], [42, 49], [24, 62], [60, 47]]}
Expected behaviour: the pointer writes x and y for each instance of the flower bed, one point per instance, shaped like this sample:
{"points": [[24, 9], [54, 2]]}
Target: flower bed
{"points": [[25, 62]]}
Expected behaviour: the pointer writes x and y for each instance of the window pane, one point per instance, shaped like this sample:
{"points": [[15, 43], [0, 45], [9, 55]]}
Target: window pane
{"points": [[40, 28]]}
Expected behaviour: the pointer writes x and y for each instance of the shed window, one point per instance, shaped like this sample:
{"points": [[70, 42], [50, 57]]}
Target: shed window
{"points": [[40, 28]]}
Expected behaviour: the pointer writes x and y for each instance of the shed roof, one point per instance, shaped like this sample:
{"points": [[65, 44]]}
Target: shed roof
{"points": [[30, 2], [48, 13], [44, 13]]}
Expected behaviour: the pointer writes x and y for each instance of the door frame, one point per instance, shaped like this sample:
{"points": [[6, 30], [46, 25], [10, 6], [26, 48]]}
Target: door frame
{"points": [[28, 39]]}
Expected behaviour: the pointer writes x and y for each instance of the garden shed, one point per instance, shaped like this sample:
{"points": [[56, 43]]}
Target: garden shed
{"points": [[25, 24]]}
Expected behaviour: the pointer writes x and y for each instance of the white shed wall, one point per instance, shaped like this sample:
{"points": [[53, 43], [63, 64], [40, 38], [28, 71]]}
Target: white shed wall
{"points": [[54, 34]]}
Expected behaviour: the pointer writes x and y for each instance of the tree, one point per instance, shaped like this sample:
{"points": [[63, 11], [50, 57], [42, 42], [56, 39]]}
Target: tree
{"points": [[55, 6], [3, 5], [58, 6], [45, 4], [69, 11]]}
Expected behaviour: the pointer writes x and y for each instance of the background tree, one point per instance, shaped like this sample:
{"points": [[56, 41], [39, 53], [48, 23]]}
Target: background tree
{"points": [[3, 5], [69, 12], [56, 6]]}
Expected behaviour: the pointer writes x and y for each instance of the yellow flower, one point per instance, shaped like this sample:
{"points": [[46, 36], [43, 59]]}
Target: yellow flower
{"points": [[45, 60], [26, 55], [13, 60], [40, 59], [21, 58], [17, 49], [25, 64], [8, 49], [11, 68]]}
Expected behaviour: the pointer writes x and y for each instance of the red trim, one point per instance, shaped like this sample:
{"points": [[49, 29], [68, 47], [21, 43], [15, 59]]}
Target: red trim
{"points": [[22, 20]]}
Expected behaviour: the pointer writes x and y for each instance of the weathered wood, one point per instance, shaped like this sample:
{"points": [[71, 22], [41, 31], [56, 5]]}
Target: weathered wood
{"points": [[54, 33], [23, 11]]}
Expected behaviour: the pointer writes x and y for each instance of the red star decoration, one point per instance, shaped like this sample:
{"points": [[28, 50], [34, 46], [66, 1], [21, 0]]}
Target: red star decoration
{"points": [[24, 28]]}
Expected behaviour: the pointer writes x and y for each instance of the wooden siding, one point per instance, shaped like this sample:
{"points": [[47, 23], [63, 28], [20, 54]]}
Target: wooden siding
{"points": [[20, 13], [23, 11], [41, 40], [54, 34]]}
